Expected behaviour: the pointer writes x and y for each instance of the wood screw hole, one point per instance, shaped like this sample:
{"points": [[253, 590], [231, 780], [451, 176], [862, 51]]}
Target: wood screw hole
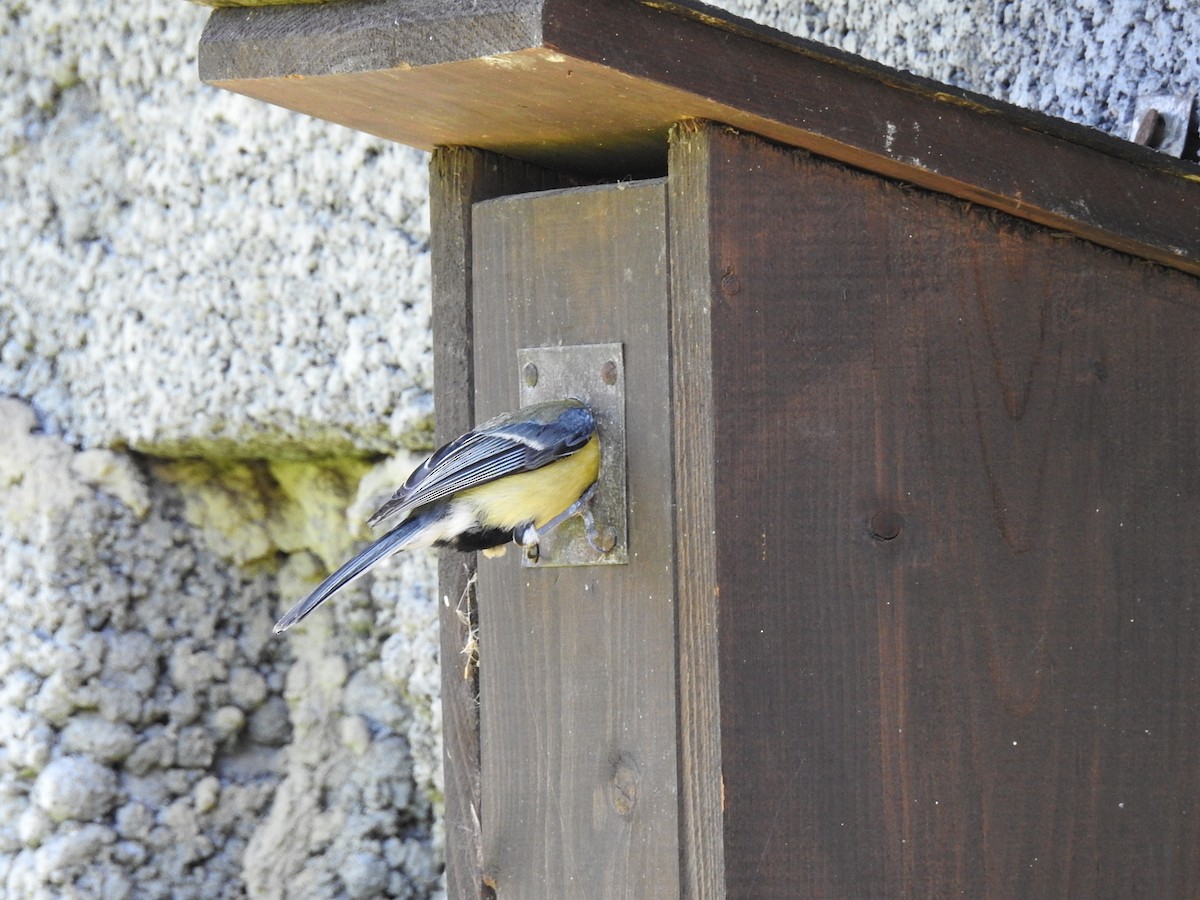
{"points": [[885, 525]]}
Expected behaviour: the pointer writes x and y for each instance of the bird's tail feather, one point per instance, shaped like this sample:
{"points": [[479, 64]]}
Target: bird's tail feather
{"points": [[395, 540]]}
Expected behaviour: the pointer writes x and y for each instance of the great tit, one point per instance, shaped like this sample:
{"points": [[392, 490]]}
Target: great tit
{"points": [[513, 477]]}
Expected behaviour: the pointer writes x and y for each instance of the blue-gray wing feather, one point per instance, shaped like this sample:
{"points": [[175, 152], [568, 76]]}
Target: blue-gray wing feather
{"points": [[504, 446]]}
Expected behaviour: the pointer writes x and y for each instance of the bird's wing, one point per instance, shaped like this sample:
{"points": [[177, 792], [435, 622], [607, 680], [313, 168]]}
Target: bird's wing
{"points": [[519, 442]]}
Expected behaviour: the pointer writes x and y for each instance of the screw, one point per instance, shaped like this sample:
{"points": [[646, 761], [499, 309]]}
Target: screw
{"points": [[606, 539], [1151, 129], [531, 374]]}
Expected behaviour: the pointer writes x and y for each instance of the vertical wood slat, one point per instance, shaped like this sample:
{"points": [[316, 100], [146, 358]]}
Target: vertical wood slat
{"points": [[701, 860], [458, 177], [959, 612], [577, 664]]}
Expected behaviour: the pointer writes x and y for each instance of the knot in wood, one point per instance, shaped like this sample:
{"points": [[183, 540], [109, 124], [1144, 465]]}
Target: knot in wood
{"points": [[730, 283], [886, 525], [623, 787]]}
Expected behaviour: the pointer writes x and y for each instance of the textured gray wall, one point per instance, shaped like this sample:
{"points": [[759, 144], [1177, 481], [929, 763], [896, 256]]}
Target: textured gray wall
{"points": [[213, 315], [241, 296], [1082, 60]]}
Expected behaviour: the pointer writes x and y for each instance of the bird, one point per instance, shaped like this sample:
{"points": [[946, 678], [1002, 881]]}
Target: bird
{"points": [[515, 477]]}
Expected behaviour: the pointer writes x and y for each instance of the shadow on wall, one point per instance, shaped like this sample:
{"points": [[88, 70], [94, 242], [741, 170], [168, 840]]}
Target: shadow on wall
{"points": [[157, 739]]}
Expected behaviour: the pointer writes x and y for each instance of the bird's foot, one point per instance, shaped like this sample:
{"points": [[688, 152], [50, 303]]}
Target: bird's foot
{"points": [[602, 539]]}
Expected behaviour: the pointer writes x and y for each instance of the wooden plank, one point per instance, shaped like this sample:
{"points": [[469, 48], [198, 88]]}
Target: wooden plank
{"points": [[702, 862], [959, 618], [577, 664], [458, 177], [306, 40], [594, 85]]}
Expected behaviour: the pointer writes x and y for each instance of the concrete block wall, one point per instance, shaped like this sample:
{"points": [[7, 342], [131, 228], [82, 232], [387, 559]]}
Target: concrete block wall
{"points": [[214, 358]]}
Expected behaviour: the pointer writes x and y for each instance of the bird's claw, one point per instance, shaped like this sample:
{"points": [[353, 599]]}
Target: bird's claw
{"points": [[602, 539], [527, 537]]}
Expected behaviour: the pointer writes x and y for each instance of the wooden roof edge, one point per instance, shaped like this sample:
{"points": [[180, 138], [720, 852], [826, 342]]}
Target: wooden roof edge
{"points": [[503, 26], [309, 39], [416, 69], [981, 104]]}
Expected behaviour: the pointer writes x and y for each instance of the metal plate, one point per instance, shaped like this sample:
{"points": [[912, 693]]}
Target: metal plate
{"points": [[595, 374]]}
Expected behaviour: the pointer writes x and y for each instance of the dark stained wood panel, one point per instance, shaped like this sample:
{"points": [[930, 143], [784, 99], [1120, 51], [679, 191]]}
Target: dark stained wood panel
{"points": [[594, 86], [458, 177], [957, 467], [578, 664]]}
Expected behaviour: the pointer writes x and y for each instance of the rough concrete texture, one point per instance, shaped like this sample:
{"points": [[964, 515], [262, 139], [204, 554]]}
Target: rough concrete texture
{"points": [[186, 270], [241, 294], [156, 739], [213, 314]]}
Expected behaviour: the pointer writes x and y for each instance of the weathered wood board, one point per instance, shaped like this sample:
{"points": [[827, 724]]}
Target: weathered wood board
{"points": [[458, 177], [955, 468], [912, 607], [577, 665]]}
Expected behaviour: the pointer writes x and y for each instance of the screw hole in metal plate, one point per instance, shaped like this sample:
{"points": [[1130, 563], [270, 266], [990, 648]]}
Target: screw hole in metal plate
{"points": [[595, 374]]}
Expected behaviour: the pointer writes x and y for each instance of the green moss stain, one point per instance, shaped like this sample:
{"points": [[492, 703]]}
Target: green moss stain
{"points": [[252, 510], [278, 444]]}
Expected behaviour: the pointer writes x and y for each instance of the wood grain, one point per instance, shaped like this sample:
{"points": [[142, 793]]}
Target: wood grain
{"points": [[458, 177], [305, 40], [957, 474], [702, 863], [578, 664]]}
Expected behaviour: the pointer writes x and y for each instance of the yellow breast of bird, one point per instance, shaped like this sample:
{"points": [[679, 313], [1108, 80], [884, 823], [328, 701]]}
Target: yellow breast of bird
{"points": [[536, 496]]}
